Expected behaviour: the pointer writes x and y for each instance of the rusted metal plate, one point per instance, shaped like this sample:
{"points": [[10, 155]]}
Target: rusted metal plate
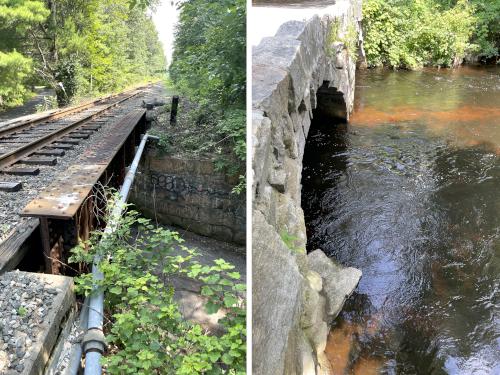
{"points": [[106, 147], [65, 195], [62, 199]]}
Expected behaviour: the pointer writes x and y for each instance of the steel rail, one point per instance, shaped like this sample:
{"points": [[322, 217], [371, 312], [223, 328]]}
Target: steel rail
{"points": [[21, 152], [14, 126]]}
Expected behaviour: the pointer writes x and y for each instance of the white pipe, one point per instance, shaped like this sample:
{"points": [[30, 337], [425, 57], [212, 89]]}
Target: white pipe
{"points": [[96, 304]]}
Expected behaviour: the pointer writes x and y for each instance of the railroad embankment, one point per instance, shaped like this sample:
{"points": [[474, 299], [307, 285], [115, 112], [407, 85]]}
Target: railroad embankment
{"points": [[181, 181]]}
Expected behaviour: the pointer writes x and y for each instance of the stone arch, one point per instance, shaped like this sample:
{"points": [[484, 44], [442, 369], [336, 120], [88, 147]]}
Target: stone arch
{"points": [[330, 103]]}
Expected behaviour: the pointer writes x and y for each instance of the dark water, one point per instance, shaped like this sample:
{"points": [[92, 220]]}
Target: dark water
{"points": [[409, 192]]}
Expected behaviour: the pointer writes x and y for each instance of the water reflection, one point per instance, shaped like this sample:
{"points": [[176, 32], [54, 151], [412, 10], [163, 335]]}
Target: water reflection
{"points": [[409, 193]]}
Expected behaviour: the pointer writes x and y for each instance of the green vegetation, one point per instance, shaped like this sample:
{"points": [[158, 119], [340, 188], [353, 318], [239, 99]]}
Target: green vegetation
{"points": [[90, 47], [486, 35], [412, 34], [208, 66], [145, 330], [22, 311], [290, 240], [349, 38]]}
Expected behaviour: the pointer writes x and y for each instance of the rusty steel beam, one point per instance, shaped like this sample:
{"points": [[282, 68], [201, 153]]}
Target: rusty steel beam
{"points": [[66, 207], [63, 198]]}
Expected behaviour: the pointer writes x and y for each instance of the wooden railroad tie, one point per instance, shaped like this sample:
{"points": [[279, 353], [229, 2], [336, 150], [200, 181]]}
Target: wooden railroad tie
{"points": [[20, 171], [50, 152], [39, 161], [78, 136], [60, 146], [69, 141], [10, 186], [92, 127]]}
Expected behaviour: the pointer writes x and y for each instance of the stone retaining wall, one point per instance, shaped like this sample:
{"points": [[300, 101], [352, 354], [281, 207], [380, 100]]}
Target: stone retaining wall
{"points": [[295, 296], [189, 193]]}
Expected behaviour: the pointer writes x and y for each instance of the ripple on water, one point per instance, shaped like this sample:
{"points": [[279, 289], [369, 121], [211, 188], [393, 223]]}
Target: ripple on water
{"points": [[409, 193]]}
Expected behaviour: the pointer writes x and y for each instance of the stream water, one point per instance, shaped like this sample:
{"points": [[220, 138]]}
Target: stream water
{"points": [[409, 192]]}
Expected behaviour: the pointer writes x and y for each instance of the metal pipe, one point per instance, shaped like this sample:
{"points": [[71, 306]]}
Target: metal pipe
{"points": [[75, 357], [93, 347]]}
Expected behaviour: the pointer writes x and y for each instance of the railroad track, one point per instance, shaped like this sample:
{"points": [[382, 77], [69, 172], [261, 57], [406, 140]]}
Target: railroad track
{"points": [[39, 141]]}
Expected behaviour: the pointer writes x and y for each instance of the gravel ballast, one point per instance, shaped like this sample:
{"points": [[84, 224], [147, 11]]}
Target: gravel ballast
{"points": [[32, 307]]}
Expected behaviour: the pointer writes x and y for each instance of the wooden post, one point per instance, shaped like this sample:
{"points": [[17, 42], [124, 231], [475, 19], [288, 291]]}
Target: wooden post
{"points": [[173, 111]]}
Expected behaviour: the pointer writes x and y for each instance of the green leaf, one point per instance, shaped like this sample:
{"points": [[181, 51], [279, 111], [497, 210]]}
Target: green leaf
{"points": [[211, 308], [230, 300], [115, 290]]}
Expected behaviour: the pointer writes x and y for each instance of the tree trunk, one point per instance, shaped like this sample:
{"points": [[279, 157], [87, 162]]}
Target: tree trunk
{"points": [[53, 29]]}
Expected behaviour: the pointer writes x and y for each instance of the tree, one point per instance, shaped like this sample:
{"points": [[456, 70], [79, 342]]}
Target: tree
{"points": [[487, 33], [209, 65], [209, 51], [89, 47], [16, 19]]}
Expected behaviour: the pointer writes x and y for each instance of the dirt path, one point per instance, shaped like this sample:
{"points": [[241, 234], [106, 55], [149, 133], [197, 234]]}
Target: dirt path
{"points": [[29, 107], [187, 292]]}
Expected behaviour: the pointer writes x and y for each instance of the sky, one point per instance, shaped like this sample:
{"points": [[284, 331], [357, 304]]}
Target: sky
{"points": [[165, 18], [265, 21]]}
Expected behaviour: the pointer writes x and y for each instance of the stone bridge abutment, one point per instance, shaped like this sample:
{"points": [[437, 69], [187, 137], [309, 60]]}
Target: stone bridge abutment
{"points": [[305, 67]]}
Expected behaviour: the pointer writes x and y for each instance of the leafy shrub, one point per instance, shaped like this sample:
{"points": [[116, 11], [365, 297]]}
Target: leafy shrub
{"points": [[411, 34], [48, 103], [232, 128], [348, 37], [145, 329], [209, 56], [209, 66], [14, 70], [486, 35], [67, 74]]}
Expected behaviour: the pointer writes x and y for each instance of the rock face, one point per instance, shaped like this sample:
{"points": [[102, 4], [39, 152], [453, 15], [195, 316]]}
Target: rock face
{"points": [[305, 66]]}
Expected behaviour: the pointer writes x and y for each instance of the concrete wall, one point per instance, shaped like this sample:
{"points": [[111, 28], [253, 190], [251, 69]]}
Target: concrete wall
{"points": [[189, 193], [295, 296]]}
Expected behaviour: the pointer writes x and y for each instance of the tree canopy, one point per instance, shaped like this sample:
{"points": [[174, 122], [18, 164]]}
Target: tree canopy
{"points": [[209, 52], [90, 47]]}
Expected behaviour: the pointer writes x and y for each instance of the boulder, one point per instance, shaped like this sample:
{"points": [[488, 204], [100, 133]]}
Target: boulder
{"points": [[338, 282]]}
